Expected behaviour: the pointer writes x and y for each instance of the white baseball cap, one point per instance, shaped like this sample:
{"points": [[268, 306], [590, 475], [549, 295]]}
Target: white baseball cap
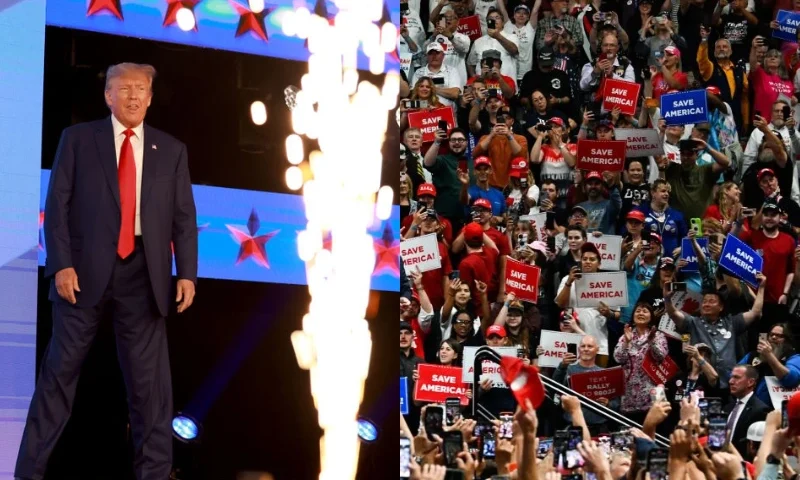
{"points": [[755, 432]]}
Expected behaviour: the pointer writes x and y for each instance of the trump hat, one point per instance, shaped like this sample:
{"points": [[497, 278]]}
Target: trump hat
{"points": [[483, 161], [635, 215], [482, 203], [473, 231], [519, 167], [426, 189], [496, 330]]}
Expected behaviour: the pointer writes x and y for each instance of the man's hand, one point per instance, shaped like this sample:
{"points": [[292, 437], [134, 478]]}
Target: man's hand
{"points": [[727, 466], [463, 176], [67, 284], [680, 445], [657, 413], [595, 457], [428, 471], [568, 360], [466, 463], [764, 349], [185, 295], [570, 404], [503, 453]]}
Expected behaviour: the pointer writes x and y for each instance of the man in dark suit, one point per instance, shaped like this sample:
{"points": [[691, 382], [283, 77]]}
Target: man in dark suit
{"points": [[746, 408], [119, 193]]}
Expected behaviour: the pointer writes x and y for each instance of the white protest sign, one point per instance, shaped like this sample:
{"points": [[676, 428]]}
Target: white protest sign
{"points": [[667, 327], [488, 367], [610, 288], [641, 142], [686, 302], [555, 346], [778, 393], [421, 252], [610, 247], [540, 219]]}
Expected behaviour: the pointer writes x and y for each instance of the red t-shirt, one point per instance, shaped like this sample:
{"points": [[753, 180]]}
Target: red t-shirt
{"points": [[479, 266], [660, 86], [778, 254], [713, 212], [766, 89], [447, 233], [432, 280]]}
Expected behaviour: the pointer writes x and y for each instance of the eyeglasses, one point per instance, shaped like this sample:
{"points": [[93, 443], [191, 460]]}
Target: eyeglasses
{"points": [[462, 322], [458, 140]]}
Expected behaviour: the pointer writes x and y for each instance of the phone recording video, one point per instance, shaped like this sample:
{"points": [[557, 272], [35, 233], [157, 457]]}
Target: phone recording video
{"points": [[491, 24], [545, 444], [506, 423], [675, 287], [702, 405], [716, 431], [657, 463], [489, 443], [452, 408], [434, 421], [621, 441], [405, 458], [453, 445], [573, 456], [572, 348], [443, 125], [787, 112]]}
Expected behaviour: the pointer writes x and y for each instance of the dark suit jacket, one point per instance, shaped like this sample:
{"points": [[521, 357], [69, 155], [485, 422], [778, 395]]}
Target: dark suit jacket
{"points": [[82, 211], [754, 411]]}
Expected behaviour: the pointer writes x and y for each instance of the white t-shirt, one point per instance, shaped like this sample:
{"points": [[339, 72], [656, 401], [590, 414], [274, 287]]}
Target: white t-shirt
{"points": [[486, 42], [481, 8], [533, 194], [451, 79], [526, 36], [589, 319], [455, 53]]}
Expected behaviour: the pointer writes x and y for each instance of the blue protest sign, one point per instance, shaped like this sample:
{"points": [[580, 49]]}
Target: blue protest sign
{"points": [[787, 25], [404, 395], [683, 108], [740, 260], [687, 253]]}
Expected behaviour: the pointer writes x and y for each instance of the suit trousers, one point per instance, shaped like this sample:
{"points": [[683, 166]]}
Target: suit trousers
{"points": [[141, 340]]}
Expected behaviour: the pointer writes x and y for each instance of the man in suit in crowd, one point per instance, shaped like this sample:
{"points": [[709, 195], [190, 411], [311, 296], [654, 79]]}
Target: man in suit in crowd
{"points": [[119, 194], [746, 408]]}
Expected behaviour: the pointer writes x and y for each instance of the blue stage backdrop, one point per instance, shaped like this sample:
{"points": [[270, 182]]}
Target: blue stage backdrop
{"points": [[223, 24]]}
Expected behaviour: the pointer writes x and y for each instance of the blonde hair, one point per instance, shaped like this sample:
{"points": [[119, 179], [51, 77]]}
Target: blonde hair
{"points": [[121, 69]]}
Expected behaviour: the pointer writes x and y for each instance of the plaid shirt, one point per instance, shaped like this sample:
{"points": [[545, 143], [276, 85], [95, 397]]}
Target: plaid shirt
{"points": [[567, 21]]}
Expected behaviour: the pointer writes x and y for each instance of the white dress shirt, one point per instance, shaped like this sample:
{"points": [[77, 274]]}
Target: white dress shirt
{"points": [[589, 81], [137, 143], [744, 401]]}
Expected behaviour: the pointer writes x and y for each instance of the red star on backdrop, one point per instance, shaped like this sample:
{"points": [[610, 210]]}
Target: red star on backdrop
{"points": [[387, 253], [111, 6], [252, 245], [251, 22], [172, 11], [41, 231]]}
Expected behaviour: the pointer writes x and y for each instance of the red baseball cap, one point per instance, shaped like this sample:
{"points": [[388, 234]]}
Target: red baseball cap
{"points": [[483, 203], [673, 50], [496, 330], [473, 231], [523, 380], [557, 121], [519, 167], [483, 161], [765, 171], [713, 89], [656, 237], [426, 189], [594, 175], [635, 215]]}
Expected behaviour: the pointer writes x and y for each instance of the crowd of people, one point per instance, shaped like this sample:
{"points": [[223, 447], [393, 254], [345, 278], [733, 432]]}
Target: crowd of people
{"points": [[513, 87]]}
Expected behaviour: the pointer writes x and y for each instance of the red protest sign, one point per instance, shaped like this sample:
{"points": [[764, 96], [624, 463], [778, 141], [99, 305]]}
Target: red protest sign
{"points": [[523, 280], [428, 121], [470, 26], [436, 383], [659, 373], [622, 94], [606, 383], [601, 155]]}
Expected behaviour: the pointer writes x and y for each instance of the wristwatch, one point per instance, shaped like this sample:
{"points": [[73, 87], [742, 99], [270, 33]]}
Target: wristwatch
{"points": [[773, 460]]}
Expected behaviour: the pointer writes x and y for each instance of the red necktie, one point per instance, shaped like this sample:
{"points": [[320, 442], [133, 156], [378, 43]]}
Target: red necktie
{"points": [[126, 174]]}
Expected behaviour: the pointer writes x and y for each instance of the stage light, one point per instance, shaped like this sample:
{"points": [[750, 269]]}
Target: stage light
{"points": [[258, 112], [367, 431], [294, 149], [294, 178], [185, 428], [383, 207], [256, 6], [185, 19]]}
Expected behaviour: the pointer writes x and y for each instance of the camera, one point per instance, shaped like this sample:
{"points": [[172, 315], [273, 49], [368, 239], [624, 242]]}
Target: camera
{"points": [[544, 127]]}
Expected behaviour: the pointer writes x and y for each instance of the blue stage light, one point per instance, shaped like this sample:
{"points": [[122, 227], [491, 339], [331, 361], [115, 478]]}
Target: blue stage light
{"points": [[184, 427], [367, 431]]}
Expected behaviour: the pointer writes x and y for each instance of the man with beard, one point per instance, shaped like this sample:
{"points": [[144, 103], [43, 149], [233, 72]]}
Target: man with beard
{"points": [[602, 212], [722, 73], [720, 333], [693, 184], [444, 169], [777, 249], [776, 357]]}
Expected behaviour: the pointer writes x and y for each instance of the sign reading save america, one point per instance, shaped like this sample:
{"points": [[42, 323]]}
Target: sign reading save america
{"points": [[640, 142], [523, 280], [601, 155], [610, 288], [610, 248], [787, 25], [740, 260], [682, 108], [622, 94], [436, 383], [420, 252], [554, 346], [470, 26], [428, 121]]}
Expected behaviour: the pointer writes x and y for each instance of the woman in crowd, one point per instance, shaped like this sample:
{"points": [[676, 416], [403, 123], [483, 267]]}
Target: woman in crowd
{"points": [[407, 204], [727, 207], [576, 237], [424, 92], [556, 156], [457, 300], [522, 189], [639, 342], [464, 332], [635, 190], [767, 80], [541, 113], [520, 233], [450, 353]]}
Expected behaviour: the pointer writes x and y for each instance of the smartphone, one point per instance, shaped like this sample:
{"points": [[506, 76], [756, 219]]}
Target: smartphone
{"points": [[677, 287], [748, 212], [453, 445], [702, 404], [758, 114], [784, 414], [621, 441], [489, 443], [646, 235], [434, 421], [491, 93], [454, 274], [480, 429], [657, 463], [657, 394], [506, 425], [501, 119], [551, 244], [522, 239], [560, 443], [574, 476], [523, 183], [550, 221], [716, 431], [763, 337], [545, 444], [572, 348], [405, 457], [491, 24], [787, 112], [454, 474], [601, 17], [574, 457], [438, 81], [452, 408], [443, 125], [431, 213], [697, 226]]}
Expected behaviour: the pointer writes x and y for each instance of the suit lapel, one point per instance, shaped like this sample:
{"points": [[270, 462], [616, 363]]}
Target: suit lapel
{"points": [[104, 137], [149, 160]]}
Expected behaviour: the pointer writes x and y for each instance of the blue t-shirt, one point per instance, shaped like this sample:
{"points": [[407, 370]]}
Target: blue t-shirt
{"points": [[602, 214], [638, 281], [494, 196]]}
